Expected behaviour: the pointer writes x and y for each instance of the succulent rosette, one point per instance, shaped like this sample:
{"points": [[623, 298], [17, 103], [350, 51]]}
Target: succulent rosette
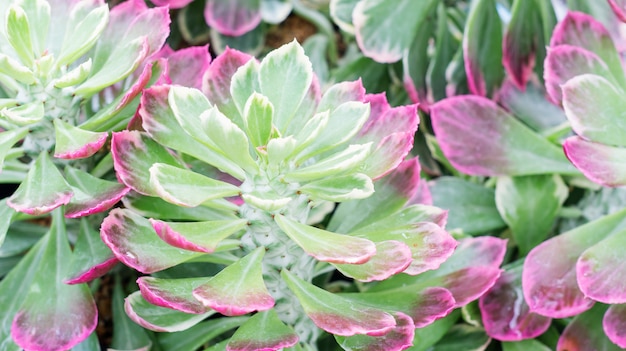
{"points": [[66, 80], [236, 174]]}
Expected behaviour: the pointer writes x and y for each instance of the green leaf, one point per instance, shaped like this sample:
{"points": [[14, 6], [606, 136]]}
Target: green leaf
{"points": [[524, 345], [446, 46], [43, 190], [18, 34], [529, 205], [127, 335], [239, 288], [193, 338], [6, 215], [197, 236], [472, 207], [91, 257], [342, 188], [286, 95], [327, 246], [263, 331], [8, 139], [244, 83], [187, 188], [340, 162], [482, 45], [38, 13], [463, 337], [229, 138], [16, 70], [75, 76], [158, 318], [258, 115], [85, 25], [24, 115]]}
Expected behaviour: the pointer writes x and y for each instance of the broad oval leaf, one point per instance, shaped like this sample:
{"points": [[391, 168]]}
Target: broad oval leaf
{"points": [[585, 332], [197, 236], [392, 257], [73, 142], [600, 163], [233, 18], [614, 324], [263, 331]]}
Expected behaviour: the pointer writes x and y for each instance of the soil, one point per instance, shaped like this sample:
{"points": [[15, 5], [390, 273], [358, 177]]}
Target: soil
{"points": [[285, 32]]}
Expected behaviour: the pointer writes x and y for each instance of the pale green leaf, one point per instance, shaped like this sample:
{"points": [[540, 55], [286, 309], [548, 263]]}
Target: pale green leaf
{"points": [[75, 76], [85, 27], [342, 188], [258, 115], [18, 34], [341, 162]]}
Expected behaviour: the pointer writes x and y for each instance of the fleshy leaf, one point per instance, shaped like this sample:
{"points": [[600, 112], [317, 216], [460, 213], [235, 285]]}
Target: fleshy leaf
{"points": [[482, 48], [591, 103], [18, 33], [238, 289], [480, 138], [585, 332], [342, 188], [549, 275], [187, 188], [133, 155], [91, 257], [54, 315], [327, 246], [565, 62], [8, 139], [582, 30], [601, 163], [530, 206], [471, 207], [340, 93], [599, 270], [392, 257], [157, 208], [340, 162], [73, 142], [614, 324], [423, 305], [91, 194], [216, 80], [521, 41], [336, 314], [43, 190], [127, 335], [263, 331], [400, 338], [197, 236], [285, 95], [505, 314], [161, 124], [86, 24], [134, 242], [159, 318], [341, 13], [6, 216], [377, 30], [187, 66], [172, 293], [233, 18], [257, 116], [243, 83]]}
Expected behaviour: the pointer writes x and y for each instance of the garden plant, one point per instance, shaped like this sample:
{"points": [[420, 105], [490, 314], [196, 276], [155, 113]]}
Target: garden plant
{"points": [[367, 175]]}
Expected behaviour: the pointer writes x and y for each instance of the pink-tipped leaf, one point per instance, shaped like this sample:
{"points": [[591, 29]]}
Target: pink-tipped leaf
{"points": [[327, 246], [340, 93], [160, 319], [43, 190], [565, 62], [233, 18], [582, 30], [264, 332], [600, 163], [91, 257], [135, 243], [400, 338], [600, 270], [392, 257], [187, 66], [480, 138], [549, 277], [73, 142], [505, 314], [91, 194], [134, 153], [619, 8], [336, 314], [585, 332], [175, 294], [197, 236], [238, 289], [522, 41], [614, 324]]}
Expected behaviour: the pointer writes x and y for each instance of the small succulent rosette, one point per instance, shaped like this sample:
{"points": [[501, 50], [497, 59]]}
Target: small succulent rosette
{"points": [[236, 175], [66, 79]]}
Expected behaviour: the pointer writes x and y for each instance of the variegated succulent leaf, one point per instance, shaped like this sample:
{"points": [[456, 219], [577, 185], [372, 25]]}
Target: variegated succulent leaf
{"points": [[280, 149]]}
